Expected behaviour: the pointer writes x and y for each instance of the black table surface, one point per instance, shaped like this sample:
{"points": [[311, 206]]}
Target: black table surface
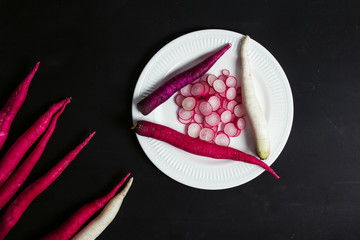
{"points": [[94, 52]]}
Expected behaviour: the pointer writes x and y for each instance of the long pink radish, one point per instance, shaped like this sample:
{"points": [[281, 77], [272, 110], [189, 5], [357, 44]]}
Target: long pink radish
{"points": [[24, 199], [11, 186], [12, 106], [73, 224], [15, 153], [194, 145], [170, 87], [103, 220]]}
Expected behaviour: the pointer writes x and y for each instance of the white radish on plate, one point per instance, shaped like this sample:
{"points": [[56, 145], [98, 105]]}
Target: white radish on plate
{"points": [[254, 112]]}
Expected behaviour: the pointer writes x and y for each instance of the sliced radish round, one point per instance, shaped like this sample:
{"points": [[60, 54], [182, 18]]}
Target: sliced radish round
{"points": [[184, 121], [214, 102], [222, 78], [210, 79], [231, 104], [185, 114], [193, 130], [231, 81], [219, 86], [239, 110], [225, 72], [178, 100], [213, 119], [240, 123], [205, 108], [226, 116], [231, 93], [222, 139], [230, 129], [206, 88], [197, 89], [186, 91], [189, 103], [238, 133], [198, 118], [206, 134]]}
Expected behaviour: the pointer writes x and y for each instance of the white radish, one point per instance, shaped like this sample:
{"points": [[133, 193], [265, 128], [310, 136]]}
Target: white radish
{"points": [[107, 215], [254, 112]]}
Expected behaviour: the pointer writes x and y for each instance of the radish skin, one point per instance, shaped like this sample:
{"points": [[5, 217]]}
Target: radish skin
{"points": [[170, 87], [107, 215], [195, 146], [15, 153], [17, 207], [13, 105], [254, 112], [11, 186], [66, 230]]}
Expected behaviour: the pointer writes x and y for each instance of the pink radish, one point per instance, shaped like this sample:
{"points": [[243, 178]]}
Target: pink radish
{"points": [[171, 86], [210, 79], [15, 210], [13, 105], [231, 93], [213, 119], [206, 134], [206, 88], [214, 102], [185, 114], [66, 230], [194, 145], [15, 153], [197, 89], [179, 99], [225, 72], [231, 81], [189, 103], [240, 123], [12, 185], [231, 104], [222, 139], [198, 118], [239, 110], [205, 108], [219, 86], [226, 116], [186, 91], [230, 129], [193, 130]]}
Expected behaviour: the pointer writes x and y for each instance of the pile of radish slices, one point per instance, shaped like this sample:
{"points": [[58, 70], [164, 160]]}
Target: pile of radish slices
{"points": [[212, 109]]}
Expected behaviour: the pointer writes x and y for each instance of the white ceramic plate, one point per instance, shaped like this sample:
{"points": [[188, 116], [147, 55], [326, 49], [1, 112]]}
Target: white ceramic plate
{"points": [[272, 89]]}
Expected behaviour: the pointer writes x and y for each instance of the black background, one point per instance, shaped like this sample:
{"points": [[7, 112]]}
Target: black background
{"points": [[94, 51]]}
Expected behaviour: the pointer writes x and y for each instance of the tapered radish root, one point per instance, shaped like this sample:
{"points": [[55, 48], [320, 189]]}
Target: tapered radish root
{"points": [[254, 112]]}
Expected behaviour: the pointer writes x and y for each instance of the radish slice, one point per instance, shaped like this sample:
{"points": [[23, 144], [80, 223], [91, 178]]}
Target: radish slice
{"points": [[225, 72], [239, 110], [206, 88], [231, 81], [183, 121], [219, 86], [189, 103], [186, 91], [205, 108], [231, 93], [240, 123], [230, 129], [179, 99], [214, 102], [193, 130], [210, 79], [222, 78], [230, 105], [185, 114], [198, 118], [226, 116], [213, 119], [237, 133], [197, 89], [206, 134], [222, 139]]}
